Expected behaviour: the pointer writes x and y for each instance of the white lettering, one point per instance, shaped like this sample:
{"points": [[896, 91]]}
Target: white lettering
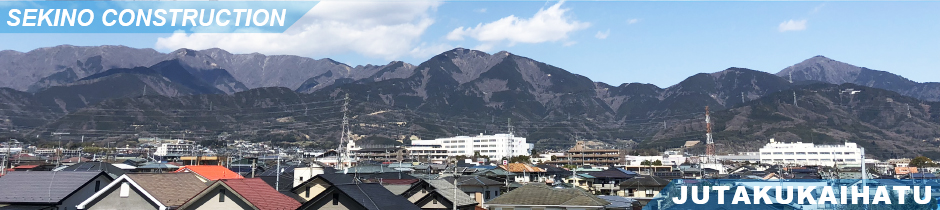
{"points": [[15, 17]]}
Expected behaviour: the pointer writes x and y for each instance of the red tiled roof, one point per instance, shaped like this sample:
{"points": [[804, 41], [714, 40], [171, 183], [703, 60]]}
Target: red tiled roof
{"points": [[26, 167], [211, 172], [260, 194]]}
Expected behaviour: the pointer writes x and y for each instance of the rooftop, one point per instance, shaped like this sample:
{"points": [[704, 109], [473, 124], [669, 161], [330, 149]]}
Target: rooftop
{"points": [[211, 172]]}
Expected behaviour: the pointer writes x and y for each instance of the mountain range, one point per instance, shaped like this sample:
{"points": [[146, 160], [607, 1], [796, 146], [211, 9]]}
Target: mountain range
{"points": [[115, 91]]}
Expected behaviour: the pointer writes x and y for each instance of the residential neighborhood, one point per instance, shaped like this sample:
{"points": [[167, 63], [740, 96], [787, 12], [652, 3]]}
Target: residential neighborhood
{"points": [[260, 176]]}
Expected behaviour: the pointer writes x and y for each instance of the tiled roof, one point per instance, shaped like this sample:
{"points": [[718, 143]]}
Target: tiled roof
{"points": [[541, 194], [375, 197], [474, 181], [521, 167], [446, 189], [397, 189], [645, 181], [396, 181], [610, 173], [211, 172], [26, 167], [260, 194], [171, 189], [42, 186], [114, 172], [462, 198]]}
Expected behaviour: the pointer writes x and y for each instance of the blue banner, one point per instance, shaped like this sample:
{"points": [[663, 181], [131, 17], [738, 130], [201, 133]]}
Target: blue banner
{"points": [[797, 194], [150, 16]]}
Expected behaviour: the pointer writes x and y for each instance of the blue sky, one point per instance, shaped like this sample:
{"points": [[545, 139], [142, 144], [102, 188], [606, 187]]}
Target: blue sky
{"points": [[613, 42]]}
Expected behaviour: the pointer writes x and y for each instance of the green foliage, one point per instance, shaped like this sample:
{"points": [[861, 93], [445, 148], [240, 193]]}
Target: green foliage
{"points": [[921, 161]]}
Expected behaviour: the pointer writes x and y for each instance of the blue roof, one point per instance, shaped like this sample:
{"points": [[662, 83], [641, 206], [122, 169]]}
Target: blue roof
{"points": [[487, 167], [627, 172]]}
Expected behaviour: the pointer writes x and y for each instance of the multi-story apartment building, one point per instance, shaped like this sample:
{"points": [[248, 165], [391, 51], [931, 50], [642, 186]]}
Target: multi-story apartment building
{"points": [[179, 148], [800, 153], [428, 153], [494, 146], [581, 155]]}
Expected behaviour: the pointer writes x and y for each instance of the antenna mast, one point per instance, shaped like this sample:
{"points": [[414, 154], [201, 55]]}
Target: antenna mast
{"points": [[344, 136], [710, 143]]}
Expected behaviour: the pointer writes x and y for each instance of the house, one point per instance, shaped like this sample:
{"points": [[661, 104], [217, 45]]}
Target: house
{"points": [[112, 171], [146, 191], [302, 174], [643, 188], [50, 189], [480, 188], [210, 172], [525, 173], [438, 194], [157, 167], [607, 182], [316, 185], [242, 193], [279, 178], [583, 181], [541, 196], [361, 196]]}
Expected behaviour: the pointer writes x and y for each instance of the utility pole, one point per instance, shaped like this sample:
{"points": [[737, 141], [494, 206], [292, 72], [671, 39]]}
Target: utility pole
{"points": [[6, 155], [277, 181], [454, 203]]}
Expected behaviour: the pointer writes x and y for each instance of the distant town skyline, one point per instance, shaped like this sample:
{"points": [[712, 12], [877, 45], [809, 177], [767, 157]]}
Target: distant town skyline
{"points": [[613, 42]]}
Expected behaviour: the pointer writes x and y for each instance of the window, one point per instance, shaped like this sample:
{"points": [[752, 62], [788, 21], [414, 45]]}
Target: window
{"points": [[301, 179], [788, 153], [837, 153], [812, 153], [765, 153], [849, 153], [307, 193], [823, 153], [335, 198], [221, 195], [778, 153], [800, 153], [487, 196], [97, 185]]}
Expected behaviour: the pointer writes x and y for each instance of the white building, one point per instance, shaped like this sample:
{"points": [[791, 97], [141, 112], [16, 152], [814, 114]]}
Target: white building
{"points": [[181, 147], [800, 153], [494, 146]]}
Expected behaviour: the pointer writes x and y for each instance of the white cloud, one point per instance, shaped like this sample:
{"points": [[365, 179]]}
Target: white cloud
{"points": [[792, 25], [481, 10], [632, 21], [386, 30], [547, 25], [602, 34]]}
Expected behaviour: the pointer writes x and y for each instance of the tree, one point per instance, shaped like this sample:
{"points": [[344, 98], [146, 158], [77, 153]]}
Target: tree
{"points": [[657, 163], [921, 161], [646, 163]]}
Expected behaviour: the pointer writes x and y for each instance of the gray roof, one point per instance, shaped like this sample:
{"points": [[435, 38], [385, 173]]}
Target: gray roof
{"points": [[42, 186], [474, 181], [618, 202], [541, 194], [367, 170], [373, 196], [113, 171], [397, 189], [645, 181], [446, 189]]}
